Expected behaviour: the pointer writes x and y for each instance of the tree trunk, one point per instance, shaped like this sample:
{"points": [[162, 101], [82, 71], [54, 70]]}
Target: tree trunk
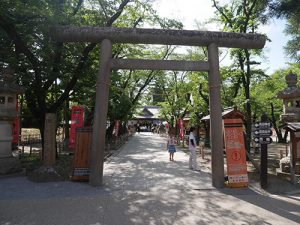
{"points": [[278, 131], [248, 127]]}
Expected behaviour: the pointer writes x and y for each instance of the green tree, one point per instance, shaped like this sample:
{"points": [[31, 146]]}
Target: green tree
{"points": [[265, 94], [49, 70], [181, 90], [243, 16], [176, 89], [55, 73], [131, 85], [289, 9]]}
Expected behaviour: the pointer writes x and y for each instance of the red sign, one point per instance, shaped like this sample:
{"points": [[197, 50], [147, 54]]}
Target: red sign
{"points": [[77, 113], [235, 153]]}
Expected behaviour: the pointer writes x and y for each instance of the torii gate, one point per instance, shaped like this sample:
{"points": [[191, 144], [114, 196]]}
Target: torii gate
{"points": [[109, 35]]}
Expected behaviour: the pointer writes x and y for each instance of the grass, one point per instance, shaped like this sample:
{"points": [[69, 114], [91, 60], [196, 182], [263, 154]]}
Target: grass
{"points": [[63, 165], [30, 162]]}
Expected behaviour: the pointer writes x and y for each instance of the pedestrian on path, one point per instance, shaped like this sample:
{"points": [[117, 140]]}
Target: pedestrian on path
{"points": [[171, 144], [192, 149]]}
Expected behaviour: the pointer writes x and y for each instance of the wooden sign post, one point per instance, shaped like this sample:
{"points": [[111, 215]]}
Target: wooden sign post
{"points": [[262, 135]]}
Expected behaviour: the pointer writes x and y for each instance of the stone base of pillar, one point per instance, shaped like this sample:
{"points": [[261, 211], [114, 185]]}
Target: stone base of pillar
{"points": [[10, 165]]}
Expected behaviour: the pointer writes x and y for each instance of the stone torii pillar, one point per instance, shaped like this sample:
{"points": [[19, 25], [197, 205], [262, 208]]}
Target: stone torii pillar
{"points": [[108, 35]]}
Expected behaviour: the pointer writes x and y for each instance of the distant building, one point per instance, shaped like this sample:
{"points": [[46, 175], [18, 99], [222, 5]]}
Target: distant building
{"points": [[146, 117]]}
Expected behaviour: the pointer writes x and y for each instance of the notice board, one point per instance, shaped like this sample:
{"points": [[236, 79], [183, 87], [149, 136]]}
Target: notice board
{"points": [[235, 153], [81, 161]]}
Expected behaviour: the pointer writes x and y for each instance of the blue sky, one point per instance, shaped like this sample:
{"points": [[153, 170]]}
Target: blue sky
{"points": [[189, 12]]}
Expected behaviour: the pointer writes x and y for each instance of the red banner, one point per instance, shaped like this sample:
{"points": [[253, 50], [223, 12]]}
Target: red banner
{"points": [[235, 153], [181, 128], [16, 131], [77, 114], [116, 128], [16, 125]]}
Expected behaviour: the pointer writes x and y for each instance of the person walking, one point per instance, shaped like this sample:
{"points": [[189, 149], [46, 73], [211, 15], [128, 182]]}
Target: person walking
{"points": [[192, 149], [171, 145]]}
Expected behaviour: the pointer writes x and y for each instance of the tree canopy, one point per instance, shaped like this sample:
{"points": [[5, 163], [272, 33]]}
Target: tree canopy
{"points": [[289, 9], [55, 73]]}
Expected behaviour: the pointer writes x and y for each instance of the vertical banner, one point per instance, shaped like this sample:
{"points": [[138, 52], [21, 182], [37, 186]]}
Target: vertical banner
{"points": [[16, 131], [116, 128], [235, 153], [181, 128], [77, 113], [16, 126], [167, 127]]}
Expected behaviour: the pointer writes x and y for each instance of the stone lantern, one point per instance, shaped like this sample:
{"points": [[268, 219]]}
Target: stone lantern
{"points": [[8, 100], [291, 100], [291, 120]]}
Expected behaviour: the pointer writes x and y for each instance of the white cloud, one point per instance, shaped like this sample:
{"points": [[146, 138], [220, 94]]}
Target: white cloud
{"points": [[187, 11]]}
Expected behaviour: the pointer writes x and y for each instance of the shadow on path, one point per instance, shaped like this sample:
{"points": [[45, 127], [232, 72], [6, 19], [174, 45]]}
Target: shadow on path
{"points": [[141, 186]]}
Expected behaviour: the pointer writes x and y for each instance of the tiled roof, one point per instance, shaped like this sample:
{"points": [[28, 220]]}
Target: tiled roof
{"points": [[148, 112], [292, 126], [225, 113]]}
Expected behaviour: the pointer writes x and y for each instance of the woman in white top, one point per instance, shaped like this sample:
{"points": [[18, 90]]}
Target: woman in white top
{"points": [[192, 148]]}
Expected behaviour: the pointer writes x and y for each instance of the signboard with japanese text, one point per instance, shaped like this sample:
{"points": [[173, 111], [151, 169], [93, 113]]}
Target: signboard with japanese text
{"points": [[77, 116], [263, 133], [263, 140], [235, 153], [263, 125]]}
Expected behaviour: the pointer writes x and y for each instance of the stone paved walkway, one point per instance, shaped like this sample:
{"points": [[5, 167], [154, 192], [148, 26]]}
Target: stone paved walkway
{"points": [[141, 186]]}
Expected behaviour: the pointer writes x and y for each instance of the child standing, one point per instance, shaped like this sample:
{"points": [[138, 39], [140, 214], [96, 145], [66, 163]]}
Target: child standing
{"points": [[171, 145]]}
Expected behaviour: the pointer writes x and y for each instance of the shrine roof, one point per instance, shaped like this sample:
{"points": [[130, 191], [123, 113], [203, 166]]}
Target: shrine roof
{"points": [[292, 126], [229, 113]]}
